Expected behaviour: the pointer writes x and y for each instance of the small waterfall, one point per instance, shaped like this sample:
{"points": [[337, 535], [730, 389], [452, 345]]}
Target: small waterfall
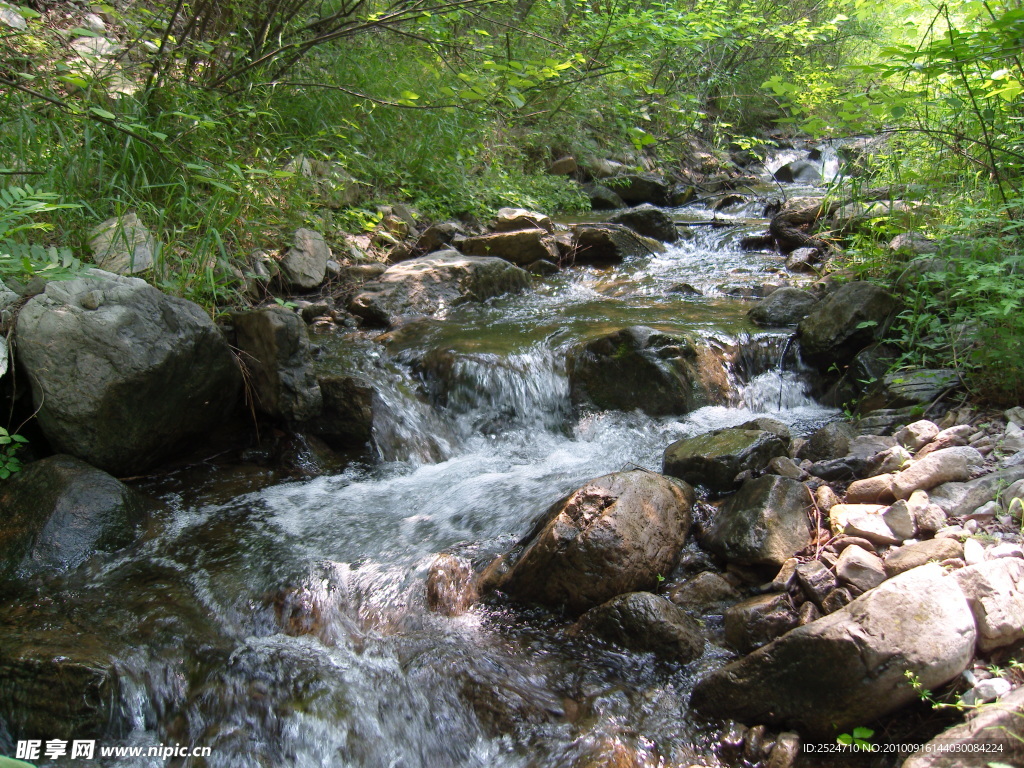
{"points": [[768, 374], [406, 427], [490, 393]]}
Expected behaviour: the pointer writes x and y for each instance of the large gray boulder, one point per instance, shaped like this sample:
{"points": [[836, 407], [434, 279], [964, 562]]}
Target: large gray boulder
{"points": [[431, 284], [765, 523], [124, 376], [276, 352], [845, 322], [645, 622], [616, 534], [849, 668], [713, 460], [640, 368], [60, 511]]}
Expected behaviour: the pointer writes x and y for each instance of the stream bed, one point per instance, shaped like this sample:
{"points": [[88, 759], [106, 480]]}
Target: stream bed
{"points": [[287, 625]]}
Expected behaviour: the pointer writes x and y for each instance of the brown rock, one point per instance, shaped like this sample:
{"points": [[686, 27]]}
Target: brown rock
{"points": [[616, 534], [914, 555]]}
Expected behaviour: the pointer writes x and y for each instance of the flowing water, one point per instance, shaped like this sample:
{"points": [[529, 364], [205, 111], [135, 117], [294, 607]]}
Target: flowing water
{"points": [[287, 626]]}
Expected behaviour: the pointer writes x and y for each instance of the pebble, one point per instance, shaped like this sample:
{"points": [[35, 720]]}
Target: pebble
{"points": [[987, 690], [1006, 549]]}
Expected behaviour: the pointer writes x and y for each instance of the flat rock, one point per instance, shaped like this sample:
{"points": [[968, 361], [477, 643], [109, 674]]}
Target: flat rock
{"points": [[649, 221], [911, 556], [715, 459]]}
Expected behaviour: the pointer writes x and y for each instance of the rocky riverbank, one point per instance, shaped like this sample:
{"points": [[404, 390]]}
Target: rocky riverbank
{"points": [[850, 566]]}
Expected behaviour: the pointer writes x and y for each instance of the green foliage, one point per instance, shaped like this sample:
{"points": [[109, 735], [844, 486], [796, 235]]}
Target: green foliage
{"points": [[20, 209], [9, 446], [858, 738]]}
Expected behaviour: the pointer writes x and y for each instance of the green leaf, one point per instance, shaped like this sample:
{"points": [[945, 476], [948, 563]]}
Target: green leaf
{"points": [[863, 733], [103, 113]]}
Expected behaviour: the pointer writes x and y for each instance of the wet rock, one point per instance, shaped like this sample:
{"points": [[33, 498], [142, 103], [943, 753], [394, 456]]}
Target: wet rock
{"points": [[276, 352], [949, 465], [124, 246], [639, 188], [646, 623], [429, 285], [649, 221], [602, 198], [917, 435], [798, 170], [785, 751], [703, 591], [346, 419], [451, 585], [59, 511], [911, 556], [520, 246], [305, 264], [610, 244], [759, 620], [123, 375], [995, 592], [997, 727], [715, 459], [816, 581], [786, 306], [616, 534], [640, 368], [831, 441], [74, 663], [861, 568], [765, 523], [844, 323], [848, 668]]}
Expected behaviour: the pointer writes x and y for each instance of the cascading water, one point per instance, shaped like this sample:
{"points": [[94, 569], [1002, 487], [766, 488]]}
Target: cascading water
{"points": [[289, 626]]}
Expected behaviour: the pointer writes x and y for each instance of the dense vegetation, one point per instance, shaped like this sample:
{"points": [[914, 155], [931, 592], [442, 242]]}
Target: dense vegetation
{"points": [[458, 107]]}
